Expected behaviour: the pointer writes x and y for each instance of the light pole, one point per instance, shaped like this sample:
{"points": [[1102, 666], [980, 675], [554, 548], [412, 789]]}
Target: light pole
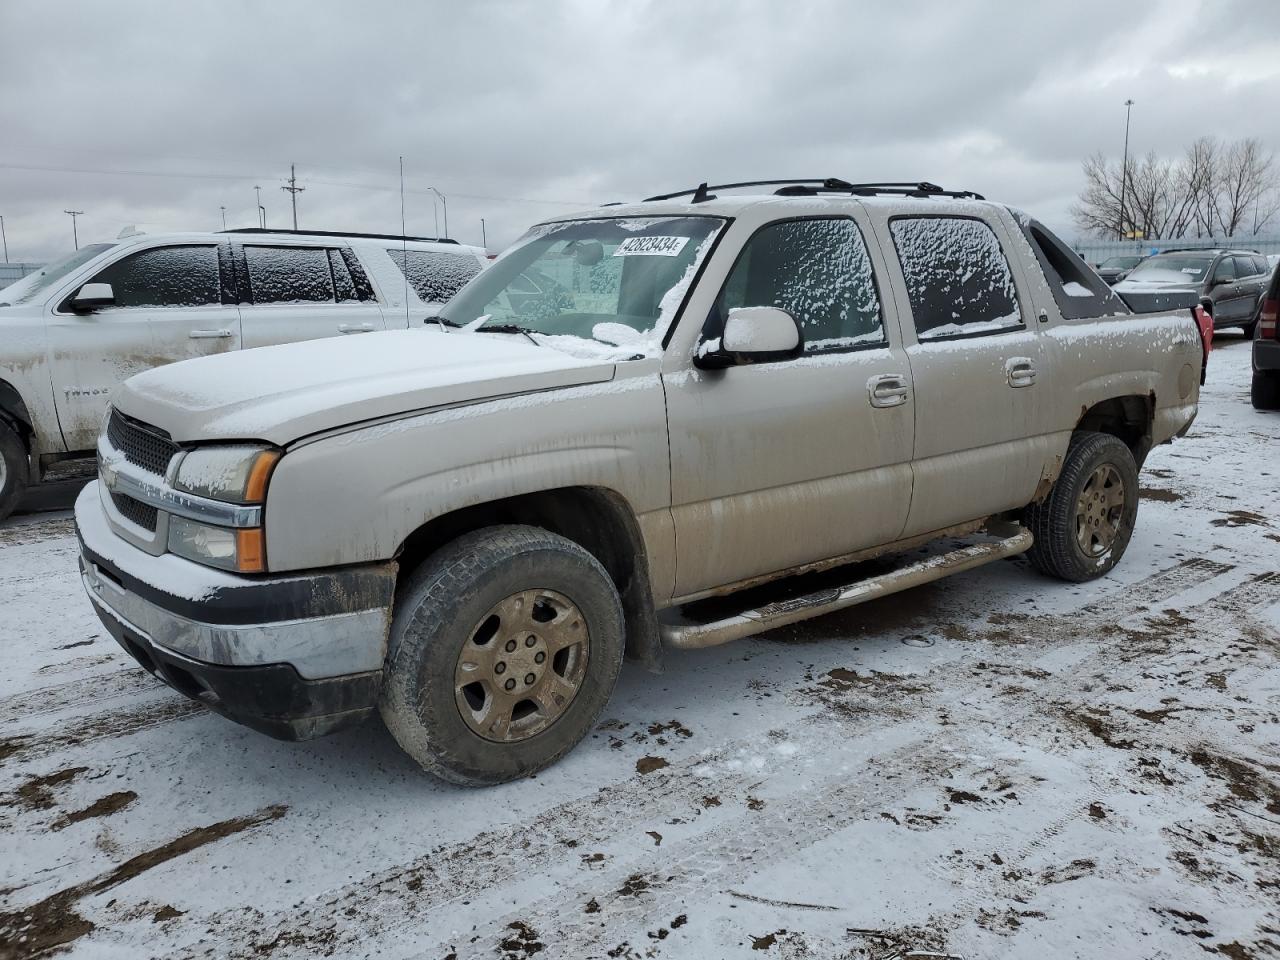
{"points": [[483, 240], [5, 240], [73, 214], [1124, 164], [224, 217], [262, 211], [445, 204]]}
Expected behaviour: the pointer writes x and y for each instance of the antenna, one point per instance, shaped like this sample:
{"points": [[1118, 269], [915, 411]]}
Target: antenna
{"points": [[404, 247], [293, 190]]}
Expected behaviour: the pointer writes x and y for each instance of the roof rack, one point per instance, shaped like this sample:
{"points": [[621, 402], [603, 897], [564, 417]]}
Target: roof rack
{"points": [[337, 233], [812, 187]]}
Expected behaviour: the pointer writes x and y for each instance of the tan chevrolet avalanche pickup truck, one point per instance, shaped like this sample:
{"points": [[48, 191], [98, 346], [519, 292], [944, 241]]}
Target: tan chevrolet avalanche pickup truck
{"points": [[635, 409]]}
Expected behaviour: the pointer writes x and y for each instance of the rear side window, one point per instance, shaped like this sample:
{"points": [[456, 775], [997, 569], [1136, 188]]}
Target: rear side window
{"points": [[184, 276], [435, 277], [289, 275], [958, 280], [819, 272], [1245, 267]]}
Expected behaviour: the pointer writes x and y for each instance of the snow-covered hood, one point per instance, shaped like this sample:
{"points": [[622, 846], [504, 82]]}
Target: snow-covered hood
{"points": [[283, 393]]}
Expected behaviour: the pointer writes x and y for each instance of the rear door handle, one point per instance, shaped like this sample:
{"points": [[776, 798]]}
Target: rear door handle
{"points": [[888, 390], [1020, 371], [355, 328], [210, 334]]}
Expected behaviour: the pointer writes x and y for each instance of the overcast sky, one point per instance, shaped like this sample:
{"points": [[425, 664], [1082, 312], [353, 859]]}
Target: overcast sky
{"points": [[158, 114]]}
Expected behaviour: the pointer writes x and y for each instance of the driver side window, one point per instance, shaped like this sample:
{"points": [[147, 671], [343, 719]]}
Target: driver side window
{"points": [[185, 276], [1224, 271], [818, 271]]}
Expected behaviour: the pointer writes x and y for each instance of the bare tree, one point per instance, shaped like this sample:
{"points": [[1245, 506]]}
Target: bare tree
{"points": [[1212, 190]]}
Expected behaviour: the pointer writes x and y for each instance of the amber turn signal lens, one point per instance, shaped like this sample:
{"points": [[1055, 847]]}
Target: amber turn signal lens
{"points": [[251, 551], [255, 490]]}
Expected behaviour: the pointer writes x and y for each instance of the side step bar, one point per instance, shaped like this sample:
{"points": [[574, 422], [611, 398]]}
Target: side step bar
{"points": [[689, 636]]}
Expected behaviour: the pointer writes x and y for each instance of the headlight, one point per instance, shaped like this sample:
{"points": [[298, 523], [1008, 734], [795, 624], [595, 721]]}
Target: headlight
{"points": [[240, 550], [236, 474], [231, 474]]}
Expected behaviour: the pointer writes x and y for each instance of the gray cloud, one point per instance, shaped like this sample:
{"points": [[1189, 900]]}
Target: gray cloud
{"points": [[520, 111]]}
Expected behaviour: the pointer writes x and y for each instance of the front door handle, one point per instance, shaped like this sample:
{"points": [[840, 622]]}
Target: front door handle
{"points": [[1020, 371], [210, 334], [888, 390], [355, 328]]}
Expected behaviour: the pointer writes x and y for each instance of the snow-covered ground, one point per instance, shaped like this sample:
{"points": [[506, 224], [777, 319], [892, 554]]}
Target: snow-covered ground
{"points": [[998, 765]]}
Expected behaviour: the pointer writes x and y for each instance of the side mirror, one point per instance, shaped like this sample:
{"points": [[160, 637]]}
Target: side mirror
{"points": [[93, 296], [752, 335]]}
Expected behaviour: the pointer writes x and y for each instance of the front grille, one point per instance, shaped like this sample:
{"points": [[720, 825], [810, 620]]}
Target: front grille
{"points": [[147, 447], [135, 511]]}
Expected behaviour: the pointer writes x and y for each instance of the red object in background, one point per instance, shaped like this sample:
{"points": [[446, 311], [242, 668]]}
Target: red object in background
{"points": [[1205, 322]]}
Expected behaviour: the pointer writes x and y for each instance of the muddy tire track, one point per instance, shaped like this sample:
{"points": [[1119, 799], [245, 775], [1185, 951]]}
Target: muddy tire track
{"points": [[87, 692], [109, 726]]}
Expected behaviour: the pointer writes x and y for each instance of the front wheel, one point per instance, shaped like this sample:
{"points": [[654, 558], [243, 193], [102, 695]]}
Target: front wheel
{"points": [[505, 646], [1083, 526], [13, 470]]}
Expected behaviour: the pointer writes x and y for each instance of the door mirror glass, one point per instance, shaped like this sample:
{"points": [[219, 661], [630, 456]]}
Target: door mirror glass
{"points": [[93, 296], [753, 335]]}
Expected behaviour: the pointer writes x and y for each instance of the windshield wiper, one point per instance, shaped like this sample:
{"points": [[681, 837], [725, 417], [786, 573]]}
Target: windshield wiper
{"points": [[506, 328]]}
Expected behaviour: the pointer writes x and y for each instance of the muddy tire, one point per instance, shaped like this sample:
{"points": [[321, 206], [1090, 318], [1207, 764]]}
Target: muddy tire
{"points": [[505, 646], [1083, 527], [1264, 392], [13, 470]]}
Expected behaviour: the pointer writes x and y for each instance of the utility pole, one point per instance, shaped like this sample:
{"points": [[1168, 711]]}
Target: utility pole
{"points": [[445, 204], [74, 235], [1124, 165], [262, 211], [483, 242], [224, 218], [6, 239], [293, 190]]}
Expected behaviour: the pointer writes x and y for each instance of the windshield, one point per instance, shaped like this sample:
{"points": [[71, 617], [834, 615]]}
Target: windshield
{"points": [[33, 284], [1121, 263], [615, 281], [1172, 269]]}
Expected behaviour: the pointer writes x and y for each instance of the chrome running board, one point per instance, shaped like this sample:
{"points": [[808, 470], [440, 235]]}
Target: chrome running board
{"points": [[689, 636]]}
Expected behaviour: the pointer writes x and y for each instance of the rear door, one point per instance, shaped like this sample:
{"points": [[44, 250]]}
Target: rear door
{"points": [[290, 293], [173, 302], [1252, 278], [776, 465], [977, 368]]}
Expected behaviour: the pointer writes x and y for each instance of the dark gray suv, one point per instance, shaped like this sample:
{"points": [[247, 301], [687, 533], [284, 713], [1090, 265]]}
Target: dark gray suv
{"points": [[1231, 280]]}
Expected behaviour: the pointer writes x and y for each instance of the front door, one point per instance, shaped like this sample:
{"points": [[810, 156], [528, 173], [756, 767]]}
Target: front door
{"points": [[291, 293], [776, 465], [170, 305], [981, 423]]}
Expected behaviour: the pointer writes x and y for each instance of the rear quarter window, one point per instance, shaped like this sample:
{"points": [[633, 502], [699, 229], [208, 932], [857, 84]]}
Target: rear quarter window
{"points": [[958, 279], [1078, 291], [435, 277]]}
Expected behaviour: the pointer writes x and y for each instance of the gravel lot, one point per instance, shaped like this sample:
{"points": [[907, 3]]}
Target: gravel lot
{"points": [[997, 765]]}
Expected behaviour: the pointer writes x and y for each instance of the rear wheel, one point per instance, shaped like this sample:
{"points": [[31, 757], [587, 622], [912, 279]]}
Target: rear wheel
{"points": [[1265, 390], [504, 648], [1083, 526], [13, 469]]}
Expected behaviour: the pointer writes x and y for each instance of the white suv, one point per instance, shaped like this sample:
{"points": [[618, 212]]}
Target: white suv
{"points": [[70, 333]]}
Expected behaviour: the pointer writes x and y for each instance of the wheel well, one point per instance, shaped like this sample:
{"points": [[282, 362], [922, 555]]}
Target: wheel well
{"points": [[1126, 418], [14, 413], [598, 520]]}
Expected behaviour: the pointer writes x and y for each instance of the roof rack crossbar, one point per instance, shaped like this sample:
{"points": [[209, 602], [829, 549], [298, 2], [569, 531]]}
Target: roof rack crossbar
{"points": [[815, 185], [339, 233]]}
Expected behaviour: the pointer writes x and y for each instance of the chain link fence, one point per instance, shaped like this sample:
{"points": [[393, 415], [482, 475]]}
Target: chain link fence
{"points": [[1096, 251]]}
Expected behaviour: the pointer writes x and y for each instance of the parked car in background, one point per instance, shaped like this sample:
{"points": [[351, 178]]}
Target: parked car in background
{"points": [[706, 394], [1115, 269], [74, 330], [1265, 389], [1229, 281]]}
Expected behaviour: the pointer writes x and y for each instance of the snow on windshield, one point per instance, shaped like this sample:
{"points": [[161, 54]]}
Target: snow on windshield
{"points": [[33, 284], [1171, 269]]}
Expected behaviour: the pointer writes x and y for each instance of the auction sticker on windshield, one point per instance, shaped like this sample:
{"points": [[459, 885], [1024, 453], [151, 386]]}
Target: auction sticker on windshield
{"points": [[651, 246]]}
